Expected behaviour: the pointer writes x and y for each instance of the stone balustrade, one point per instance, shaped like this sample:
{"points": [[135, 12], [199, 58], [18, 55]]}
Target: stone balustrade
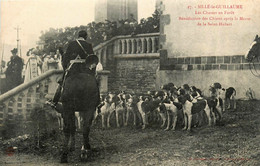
{"points": [[137, 46], [19, 101]]}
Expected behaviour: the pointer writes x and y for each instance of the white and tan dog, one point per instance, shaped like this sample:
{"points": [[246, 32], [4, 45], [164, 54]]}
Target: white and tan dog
{"points": [[131, 107], [227, 95], [106, 110]]}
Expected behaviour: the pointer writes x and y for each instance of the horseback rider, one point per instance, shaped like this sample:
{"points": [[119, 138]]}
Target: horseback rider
{"points": [[79, 57], [78, 60]]}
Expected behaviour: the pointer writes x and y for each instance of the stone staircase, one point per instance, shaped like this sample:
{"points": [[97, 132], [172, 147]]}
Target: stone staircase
{"points": [[20, 101]]}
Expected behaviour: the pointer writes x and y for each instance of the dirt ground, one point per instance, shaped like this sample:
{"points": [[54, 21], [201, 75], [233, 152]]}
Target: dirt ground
{"points": [[235, 141]]}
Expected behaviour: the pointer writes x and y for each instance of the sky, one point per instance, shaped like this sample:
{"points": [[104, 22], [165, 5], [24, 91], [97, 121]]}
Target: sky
{"points": [[34, 16]]}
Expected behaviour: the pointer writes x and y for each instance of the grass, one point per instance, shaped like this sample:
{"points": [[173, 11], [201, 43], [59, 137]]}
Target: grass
{"points": [[234, 142]]}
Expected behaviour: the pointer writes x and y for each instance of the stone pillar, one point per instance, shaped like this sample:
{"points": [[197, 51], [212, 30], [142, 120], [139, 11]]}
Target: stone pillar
{"points": [[143, 44], [123, 47], [103, 81], [100, 56], [104, 57], [128, 49], [153, 45], [118, 46], [148, 45], [133, 46]]}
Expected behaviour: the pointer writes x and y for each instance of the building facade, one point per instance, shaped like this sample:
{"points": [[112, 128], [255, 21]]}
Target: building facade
{"points": [[205, 42], [114, 10]]}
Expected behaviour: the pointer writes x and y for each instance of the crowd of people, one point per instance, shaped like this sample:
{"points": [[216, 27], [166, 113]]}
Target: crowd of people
{"points": [[16, 72]]}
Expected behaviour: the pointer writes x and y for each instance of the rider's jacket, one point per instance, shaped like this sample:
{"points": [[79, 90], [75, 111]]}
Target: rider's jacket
{"points": [[74, 50]]}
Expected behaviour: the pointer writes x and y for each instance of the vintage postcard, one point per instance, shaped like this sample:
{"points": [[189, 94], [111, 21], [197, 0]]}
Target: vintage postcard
{"points": [[129, 82]]}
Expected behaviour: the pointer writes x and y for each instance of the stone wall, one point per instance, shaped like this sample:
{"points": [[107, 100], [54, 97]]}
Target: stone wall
{"points": [[132, 62], [197, 53], [138, 75], [230, 71]]}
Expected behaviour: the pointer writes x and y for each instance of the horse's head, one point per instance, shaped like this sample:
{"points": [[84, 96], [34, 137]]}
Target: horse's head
{"points": [[254, 50]]}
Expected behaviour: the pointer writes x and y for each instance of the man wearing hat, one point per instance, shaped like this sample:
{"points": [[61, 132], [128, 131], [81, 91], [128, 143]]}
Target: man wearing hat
{"points": [[79, 47], [14, 70]]}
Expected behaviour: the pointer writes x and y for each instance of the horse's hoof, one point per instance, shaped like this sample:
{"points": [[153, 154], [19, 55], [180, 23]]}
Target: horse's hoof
{"points": [[85, 155], [64, 158], [166, 129]]}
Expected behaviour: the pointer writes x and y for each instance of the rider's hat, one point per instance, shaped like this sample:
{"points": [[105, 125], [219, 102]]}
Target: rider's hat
{"points": [[92, 59]]}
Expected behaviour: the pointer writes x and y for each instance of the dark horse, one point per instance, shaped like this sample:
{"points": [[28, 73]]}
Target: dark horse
{"points": [[253, 55], [80, 93]]}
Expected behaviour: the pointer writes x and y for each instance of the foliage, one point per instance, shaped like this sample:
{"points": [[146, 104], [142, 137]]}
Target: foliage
{"points": [[54, 39]]}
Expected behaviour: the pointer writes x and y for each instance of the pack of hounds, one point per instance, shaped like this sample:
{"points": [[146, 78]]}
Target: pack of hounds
{"points": [[164, 107]]}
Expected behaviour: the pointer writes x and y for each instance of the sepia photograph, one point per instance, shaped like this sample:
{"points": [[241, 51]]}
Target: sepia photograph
{"points": [[129, 82]]}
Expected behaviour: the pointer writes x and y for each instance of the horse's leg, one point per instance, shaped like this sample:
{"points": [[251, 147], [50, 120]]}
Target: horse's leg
{"points": [[69, 122], [87, 120], [77, 118], [72, 131]]}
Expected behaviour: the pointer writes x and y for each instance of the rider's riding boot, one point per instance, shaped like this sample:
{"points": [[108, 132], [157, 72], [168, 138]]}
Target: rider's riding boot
{"points": [[56, 97]]}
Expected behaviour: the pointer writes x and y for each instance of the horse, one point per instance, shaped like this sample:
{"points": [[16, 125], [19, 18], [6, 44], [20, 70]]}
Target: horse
{"points": [[253, 55], [80, 94]]}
